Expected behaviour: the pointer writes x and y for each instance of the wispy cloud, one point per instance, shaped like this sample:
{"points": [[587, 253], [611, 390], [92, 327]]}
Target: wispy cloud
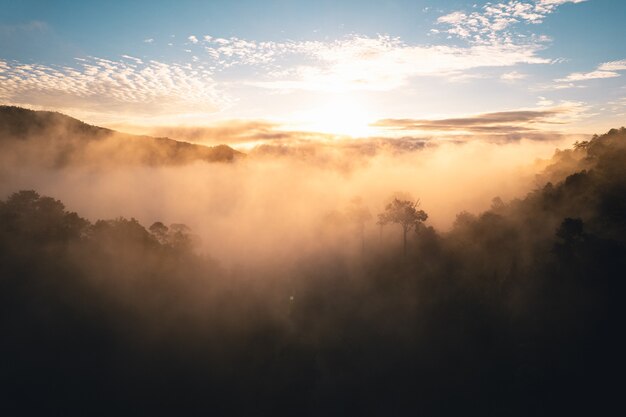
{"points": [[101, 85], [604, 70]]}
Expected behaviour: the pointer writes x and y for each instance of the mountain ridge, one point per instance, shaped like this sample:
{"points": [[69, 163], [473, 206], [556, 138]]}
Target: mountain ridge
{"points": [[63, 140]]}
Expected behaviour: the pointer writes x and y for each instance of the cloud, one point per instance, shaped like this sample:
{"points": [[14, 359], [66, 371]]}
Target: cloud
{"points": [[149, 40], [101, 85], [604, 70], [584, 76], [513, 76], [506, 122], [385, 63], [556, 86], [132, 58], [613, 66], [228, 52], [492, 21], [146, 87]]}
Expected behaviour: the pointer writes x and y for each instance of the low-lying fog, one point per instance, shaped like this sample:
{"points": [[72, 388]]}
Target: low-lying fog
{"points": [[269, 203]]}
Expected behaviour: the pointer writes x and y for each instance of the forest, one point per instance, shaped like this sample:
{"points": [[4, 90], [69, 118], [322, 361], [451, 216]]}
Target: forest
{"points": [[515, 311]]}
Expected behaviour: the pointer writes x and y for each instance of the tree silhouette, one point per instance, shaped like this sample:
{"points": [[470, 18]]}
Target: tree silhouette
{"points": [[160, 232], [404, 213], [178, 236], [43, 219]]}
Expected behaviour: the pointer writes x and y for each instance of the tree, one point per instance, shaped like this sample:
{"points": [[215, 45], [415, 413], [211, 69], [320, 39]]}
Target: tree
{"points": [[160, 232], [180, 237], [582, 145], [177, 236], [404, 213], [43, 219], [571, 230]]}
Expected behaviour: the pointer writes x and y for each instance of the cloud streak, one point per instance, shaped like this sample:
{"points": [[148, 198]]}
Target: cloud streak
{"points": [[228, 131], [604, 70], [505, 122]]}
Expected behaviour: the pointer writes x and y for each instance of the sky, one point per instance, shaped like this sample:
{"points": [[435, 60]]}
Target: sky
{"points": [[355, 68]]}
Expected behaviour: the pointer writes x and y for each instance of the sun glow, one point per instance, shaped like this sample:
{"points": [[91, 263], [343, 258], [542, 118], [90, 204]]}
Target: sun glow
{"points": [[342, 115]]}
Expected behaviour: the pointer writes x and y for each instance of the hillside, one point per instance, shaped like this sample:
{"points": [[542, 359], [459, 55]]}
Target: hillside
{"points": [[53, 139], [516, 311]]}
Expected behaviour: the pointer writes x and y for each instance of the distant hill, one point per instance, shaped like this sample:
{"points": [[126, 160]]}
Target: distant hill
{"points": [[53, 139]]}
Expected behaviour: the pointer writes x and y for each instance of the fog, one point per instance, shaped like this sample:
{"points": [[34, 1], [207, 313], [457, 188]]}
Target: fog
{"points": [[269, 204]]}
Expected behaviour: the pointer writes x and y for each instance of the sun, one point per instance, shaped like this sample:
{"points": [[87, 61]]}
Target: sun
{"points": [[340, 115]]}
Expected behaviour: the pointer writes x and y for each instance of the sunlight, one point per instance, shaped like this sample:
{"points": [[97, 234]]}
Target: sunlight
{"points": [[342, 115], [239, 208]]}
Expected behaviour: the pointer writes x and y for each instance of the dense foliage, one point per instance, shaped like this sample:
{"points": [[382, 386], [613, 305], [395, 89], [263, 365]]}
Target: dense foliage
{"points": [[516, 311]]}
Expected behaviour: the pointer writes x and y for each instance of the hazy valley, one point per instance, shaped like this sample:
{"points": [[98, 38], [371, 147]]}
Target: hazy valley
{"points": [[303, 288]]}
